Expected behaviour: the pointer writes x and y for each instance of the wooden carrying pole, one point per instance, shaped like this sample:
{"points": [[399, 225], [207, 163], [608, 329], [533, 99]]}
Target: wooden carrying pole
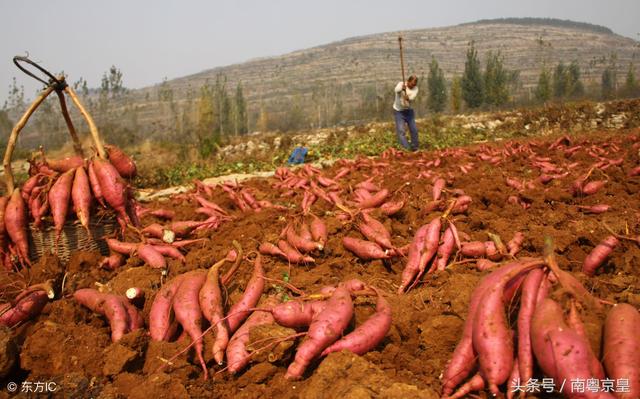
{"points": [[401, 59], [92, 125], [8, 174]]}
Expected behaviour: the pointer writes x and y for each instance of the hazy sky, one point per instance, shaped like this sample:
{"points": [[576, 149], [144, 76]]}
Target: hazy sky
{"points": [[150, 40]]}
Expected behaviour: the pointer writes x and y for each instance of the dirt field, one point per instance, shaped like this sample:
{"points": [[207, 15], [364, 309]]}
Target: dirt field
{"points": [[71, 346]]}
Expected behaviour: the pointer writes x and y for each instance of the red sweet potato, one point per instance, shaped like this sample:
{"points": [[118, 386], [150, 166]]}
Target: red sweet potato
{"points": [[65, 164], [81, 196], [375, 200], [528, 298], [28, 307], [375, 231], [160, 316], [211, 304], [95, 184], [292, 255], [473, 249], [300, 243], [267, 248], [476, 383], [464, 359], [445, 249], [319, 231], [237, 355], [414, 256], [170, 251], [151, 256], [112, 186], [365, 250], [112, 262], [59, 196], [515, 244], [598, 255], [186, 306], [438, 185], [368, 335], [593, 187], [492, 338], [15, 221], [325, 329], [621, 347], [298, 313], [390, 208], [123, 317], [121, 161], [125, 248], [253, 291]]}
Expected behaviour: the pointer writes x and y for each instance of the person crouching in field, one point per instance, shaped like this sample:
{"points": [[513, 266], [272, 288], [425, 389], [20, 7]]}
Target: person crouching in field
{"points": [[406, 92]]}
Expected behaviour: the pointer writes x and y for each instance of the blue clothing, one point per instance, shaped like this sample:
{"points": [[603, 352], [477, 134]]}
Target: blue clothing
{"points": [[406, 116], [297, 156]]}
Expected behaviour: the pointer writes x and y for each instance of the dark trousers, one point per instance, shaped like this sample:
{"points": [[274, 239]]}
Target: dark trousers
{"points": [[407, 116]]}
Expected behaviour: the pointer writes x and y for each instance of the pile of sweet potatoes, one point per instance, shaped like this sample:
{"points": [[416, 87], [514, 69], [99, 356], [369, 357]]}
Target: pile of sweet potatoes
{"points": [[494, 352], [57, 186]]}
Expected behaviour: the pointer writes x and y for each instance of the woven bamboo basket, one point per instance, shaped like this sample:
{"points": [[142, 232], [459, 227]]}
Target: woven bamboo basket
{"points": [[74, 237]]}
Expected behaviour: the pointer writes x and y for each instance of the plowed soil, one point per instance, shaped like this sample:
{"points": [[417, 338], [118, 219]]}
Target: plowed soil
{"points": [[72, 346]]}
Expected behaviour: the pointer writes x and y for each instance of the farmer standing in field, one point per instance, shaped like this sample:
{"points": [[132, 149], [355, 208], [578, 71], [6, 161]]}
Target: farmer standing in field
{"points": [[406, 92]]}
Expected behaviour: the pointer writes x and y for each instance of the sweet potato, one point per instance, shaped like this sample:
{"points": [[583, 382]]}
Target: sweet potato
{"points": [[113, 187], [476, 383], [473, 249], [65, 164], [300, 243], [390, 208], [121, 161], [170, 251], [492, 338], [365, 250], [267, 248], [414, 256], [593, 187], [125, 248], [375, 200], [160, 316], [81, 196], [595, 209], [430, 247], [548, 316], [186, 306], [528, 298], [572, 358], [253, 291], [123, 317], [59, 196], [375, 231], [445, 249], [151, 256], [325, 329], [95, 184], [621, 347], [464, 359], [28, 307], [438, 185], [367, 335], [292, 255], [319, 231], [298, 313], [237, 355], [15, 221], [210, 298], [112, 262], [598, 255], [515, 244]]}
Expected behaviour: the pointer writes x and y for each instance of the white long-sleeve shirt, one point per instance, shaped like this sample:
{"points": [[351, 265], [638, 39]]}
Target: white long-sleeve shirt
{"points": [[400, 104]]}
